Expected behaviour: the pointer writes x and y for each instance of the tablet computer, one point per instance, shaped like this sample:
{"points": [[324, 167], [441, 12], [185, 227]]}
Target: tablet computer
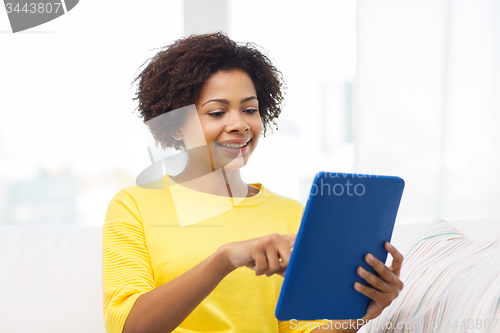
{"points": [[346, 216]]}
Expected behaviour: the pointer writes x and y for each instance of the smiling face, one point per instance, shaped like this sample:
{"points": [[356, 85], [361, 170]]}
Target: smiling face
{"points": [[227, 119]]}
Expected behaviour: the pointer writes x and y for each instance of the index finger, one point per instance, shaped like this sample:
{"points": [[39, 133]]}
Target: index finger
{"points": [[290, 239], [397, 260]]}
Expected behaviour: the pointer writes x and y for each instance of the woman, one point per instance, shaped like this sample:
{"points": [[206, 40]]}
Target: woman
{"points": [[174, 256]]}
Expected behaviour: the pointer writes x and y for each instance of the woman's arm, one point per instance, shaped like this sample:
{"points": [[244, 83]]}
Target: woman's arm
{"points": [[164, 308]]}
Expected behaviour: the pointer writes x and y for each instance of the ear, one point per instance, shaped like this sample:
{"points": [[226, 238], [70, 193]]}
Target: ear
{"points": [[177, 135]]}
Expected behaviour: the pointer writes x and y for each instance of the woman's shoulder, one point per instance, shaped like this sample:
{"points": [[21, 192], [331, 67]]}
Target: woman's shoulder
{"points": [[133, 195], [288, 210], [283, 200], [141, 190]]}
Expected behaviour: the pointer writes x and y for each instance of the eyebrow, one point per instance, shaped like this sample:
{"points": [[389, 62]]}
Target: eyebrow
{"points": [[225, 101]]}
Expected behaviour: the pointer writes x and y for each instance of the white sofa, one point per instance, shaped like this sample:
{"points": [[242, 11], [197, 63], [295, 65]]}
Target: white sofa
{"points": [[51, 279], [51, 275]]}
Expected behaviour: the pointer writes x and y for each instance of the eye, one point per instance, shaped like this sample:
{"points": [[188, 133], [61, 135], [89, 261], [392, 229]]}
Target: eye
{"points": [[216, 114], [252, 111]]}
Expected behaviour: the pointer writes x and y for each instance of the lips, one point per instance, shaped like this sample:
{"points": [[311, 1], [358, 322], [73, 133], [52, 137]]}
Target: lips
{"points": [[234, 144], [234, 141], [238, 148]]}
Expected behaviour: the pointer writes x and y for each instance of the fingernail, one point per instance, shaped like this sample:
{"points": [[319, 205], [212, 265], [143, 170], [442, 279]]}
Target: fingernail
{"points": [[389, 245], [370, 257], [362, 270]]}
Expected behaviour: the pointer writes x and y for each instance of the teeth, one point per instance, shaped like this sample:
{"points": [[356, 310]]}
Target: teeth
{"points": [[232, 145]]}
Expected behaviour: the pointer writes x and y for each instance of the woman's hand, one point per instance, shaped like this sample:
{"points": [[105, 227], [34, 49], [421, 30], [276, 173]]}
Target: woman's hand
{"points": [[386, 287], [265, 255]]}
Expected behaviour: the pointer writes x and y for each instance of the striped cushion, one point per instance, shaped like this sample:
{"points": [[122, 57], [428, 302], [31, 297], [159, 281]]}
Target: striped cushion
{"points": [[452, 284]]}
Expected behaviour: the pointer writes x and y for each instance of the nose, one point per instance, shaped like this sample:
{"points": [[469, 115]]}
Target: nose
{"points": [[236, 122]]}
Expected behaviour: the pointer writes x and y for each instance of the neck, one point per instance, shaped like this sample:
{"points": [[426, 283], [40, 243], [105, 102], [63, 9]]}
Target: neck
{"points": [[220, 182]]}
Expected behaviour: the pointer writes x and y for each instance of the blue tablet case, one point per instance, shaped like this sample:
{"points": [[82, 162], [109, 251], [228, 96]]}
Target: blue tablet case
{"points": [[346, 216]]}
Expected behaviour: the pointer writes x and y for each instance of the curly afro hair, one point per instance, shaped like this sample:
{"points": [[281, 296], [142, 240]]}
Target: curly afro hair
{"points": [[174, 76]]}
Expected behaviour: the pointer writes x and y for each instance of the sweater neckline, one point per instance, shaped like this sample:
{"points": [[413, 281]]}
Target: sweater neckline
{"points": [[257, 199]]}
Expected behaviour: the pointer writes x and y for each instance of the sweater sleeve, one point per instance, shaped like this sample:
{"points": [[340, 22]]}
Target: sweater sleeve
{"points": [[126, 267]]}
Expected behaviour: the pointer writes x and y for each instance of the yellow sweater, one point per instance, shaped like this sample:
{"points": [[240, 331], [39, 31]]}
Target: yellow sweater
{"points": [[145, 246]]}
